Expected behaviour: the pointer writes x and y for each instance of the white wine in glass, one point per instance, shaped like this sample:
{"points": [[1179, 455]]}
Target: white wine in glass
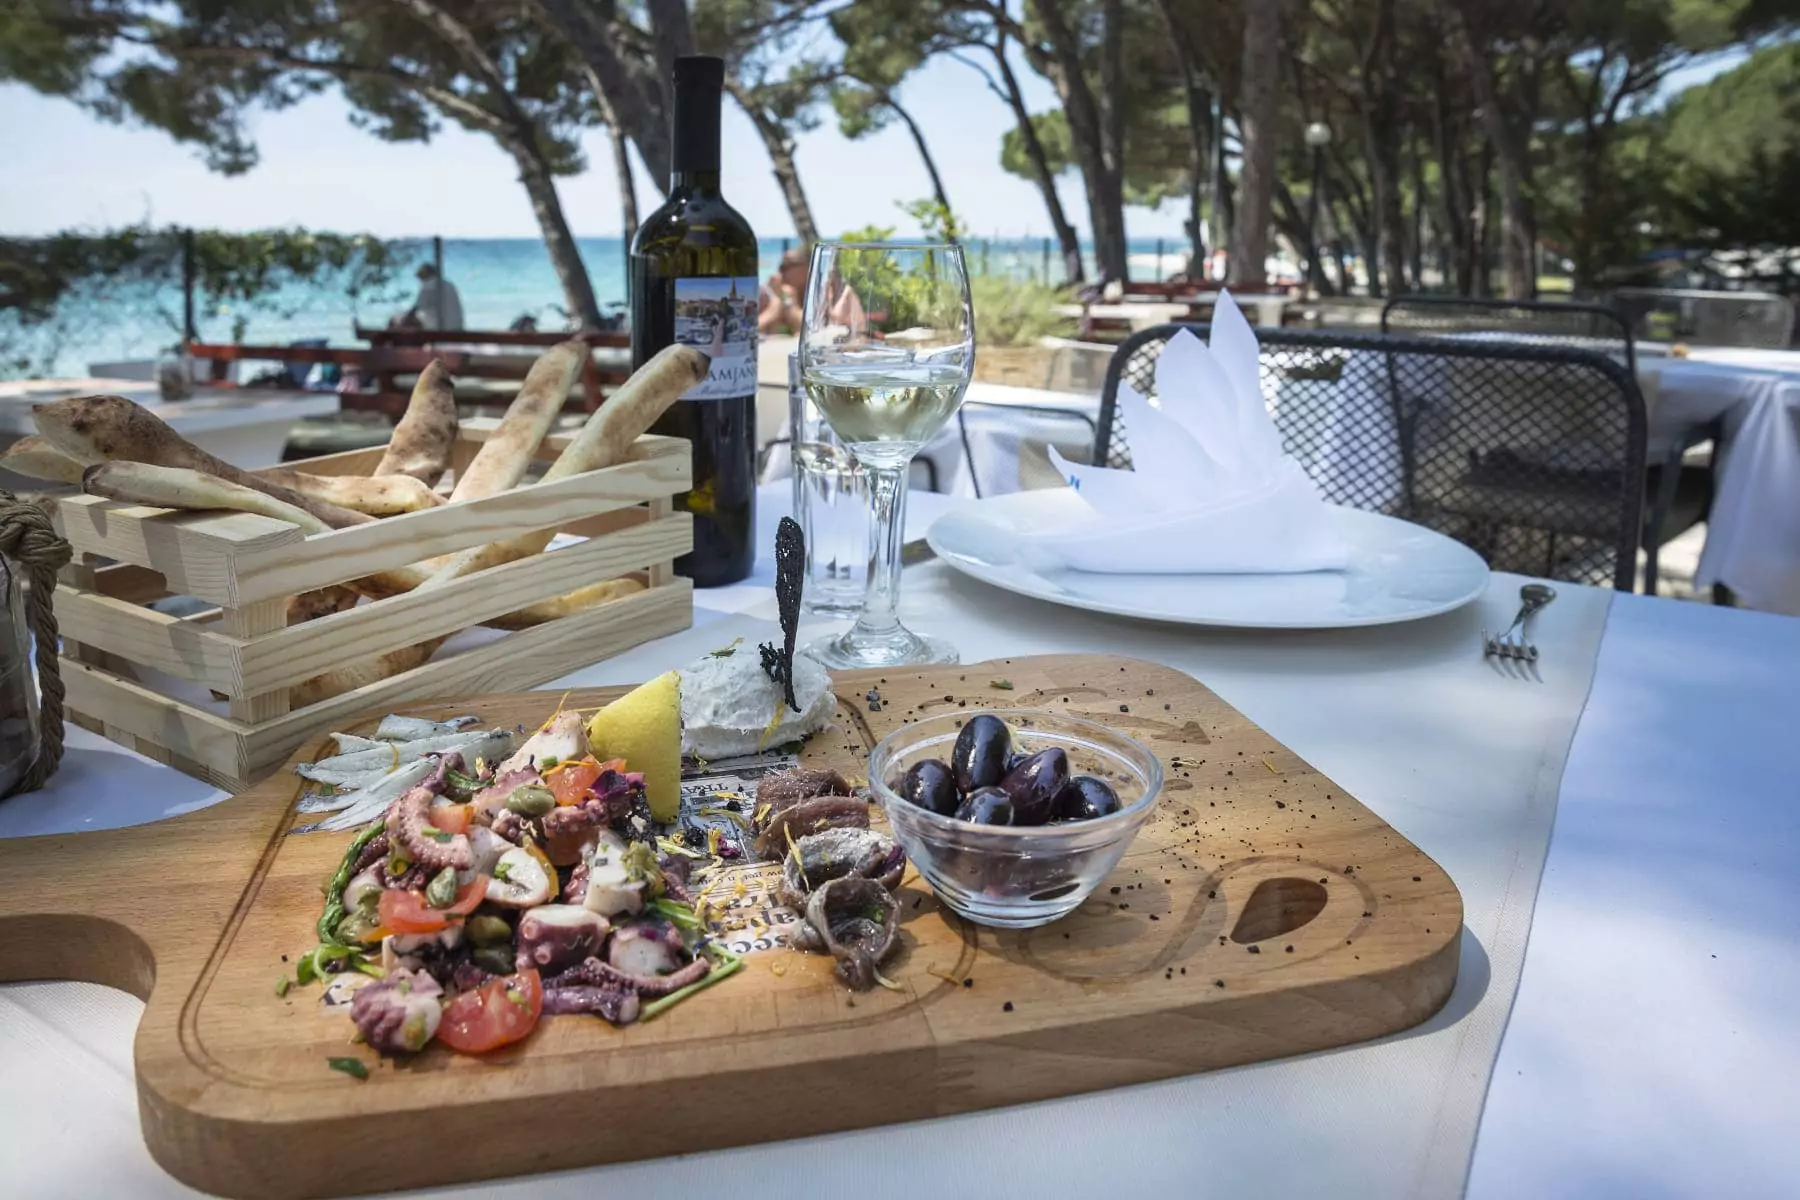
{"points": [[887, 345]]}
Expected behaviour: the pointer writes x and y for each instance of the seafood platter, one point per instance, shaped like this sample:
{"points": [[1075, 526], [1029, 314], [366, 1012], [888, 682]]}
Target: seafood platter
{"points": [[742, 887]]}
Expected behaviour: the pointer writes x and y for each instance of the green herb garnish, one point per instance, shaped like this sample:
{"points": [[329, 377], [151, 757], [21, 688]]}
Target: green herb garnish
{"points": [[725, 964], [353, 1067], [728, 651], [282, 985], [334, 887], [1003, 685], [681, 916]]}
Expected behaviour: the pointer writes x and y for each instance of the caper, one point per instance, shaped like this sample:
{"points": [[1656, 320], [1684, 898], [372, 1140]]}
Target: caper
{"points": [[531, 800], [488, 930], [441, 891], [495, 960]]}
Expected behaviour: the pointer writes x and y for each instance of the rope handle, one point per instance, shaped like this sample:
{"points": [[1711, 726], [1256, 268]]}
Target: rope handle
{"points": [[29, 538]]}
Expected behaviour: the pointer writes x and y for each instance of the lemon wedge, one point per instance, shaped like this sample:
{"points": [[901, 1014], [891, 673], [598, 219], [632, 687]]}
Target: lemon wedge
{"points": [[643, 727]]}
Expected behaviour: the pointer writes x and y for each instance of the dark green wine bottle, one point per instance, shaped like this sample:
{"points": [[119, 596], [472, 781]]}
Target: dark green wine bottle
{"points": [[694, 280]]}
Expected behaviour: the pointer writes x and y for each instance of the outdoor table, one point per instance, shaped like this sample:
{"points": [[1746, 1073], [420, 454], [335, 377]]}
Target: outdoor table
{"points": [[1753, 530], [1651, 1047], [246, 427]]}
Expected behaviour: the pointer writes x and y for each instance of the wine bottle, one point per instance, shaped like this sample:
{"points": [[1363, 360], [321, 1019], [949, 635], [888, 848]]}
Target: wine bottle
{"points": [[694, 280]]}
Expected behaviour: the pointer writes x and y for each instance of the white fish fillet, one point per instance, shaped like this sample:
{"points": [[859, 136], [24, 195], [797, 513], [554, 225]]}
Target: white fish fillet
{"points": [[394, 728], [348, 742], [381, 757], [365, 805]]}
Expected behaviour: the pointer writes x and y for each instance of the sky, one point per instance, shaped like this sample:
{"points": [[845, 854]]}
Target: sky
{"points": [[66, 169]]}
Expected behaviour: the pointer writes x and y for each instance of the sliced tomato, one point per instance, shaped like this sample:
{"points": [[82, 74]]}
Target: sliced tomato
{"points": [[407, 912], [451, 818], [570, 783], [497, 1013]]}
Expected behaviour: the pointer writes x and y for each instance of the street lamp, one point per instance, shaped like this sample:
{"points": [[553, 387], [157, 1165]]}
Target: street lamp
{"points": [[1318, 136]]}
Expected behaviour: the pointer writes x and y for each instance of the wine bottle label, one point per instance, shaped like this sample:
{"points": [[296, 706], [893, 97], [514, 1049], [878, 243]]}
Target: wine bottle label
{"points": [[718, 316]]}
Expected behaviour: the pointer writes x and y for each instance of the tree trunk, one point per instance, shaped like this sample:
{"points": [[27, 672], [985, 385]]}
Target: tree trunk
{"points": [[1256, 131], [571, 272], [1040, 165], [1064, 68], [1417, 243], [1198, 111], [1447, 149], [638, 99], [937, 181], [1508, 136], [621, 150], [1299, 227], [1223, 208], [621, 155], [781, 158]]}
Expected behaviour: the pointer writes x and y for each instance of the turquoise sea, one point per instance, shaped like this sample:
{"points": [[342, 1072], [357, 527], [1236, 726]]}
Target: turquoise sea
{"points": [[499, 279]]}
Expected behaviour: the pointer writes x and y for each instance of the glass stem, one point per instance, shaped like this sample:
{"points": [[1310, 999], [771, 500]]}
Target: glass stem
{"points": [[887, 530]]}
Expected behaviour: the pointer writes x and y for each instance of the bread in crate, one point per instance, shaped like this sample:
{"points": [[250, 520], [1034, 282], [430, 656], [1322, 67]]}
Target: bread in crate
{"points": [[228, 692]]}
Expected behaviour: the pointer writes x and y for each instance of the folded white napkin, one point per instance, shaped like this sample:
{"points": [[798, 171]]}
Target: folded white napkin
{"points": [[1211, 491]]}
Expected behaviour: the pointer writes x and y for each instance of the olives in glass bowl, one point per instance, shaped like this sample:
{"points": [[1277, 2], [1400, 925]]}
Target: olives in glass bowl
{"points": [[1053, 803]]}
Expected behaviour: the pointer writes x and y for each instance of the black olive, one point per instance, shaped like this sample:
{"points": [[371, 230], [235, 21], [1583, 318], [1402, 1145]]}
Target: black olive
{"points": [[928, 784], [982, 748], [1034, 784], [986, 806], [1083, 798]]}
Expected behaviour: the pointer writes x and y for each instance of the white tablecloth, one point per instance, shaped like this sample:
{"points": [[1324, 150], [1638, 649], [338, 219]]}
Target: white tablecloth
{"points": [[1753, 534], [1651, 1051], [245, 427]]}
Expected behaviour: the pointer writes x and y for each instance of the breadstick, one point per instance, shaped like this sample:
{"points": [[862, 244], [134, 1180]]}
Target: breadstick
{"points": [[422, 440], [503, 460], [580, 600], [38, 459], [178, 487], [382, 496], [604, 441], [100, 428]]}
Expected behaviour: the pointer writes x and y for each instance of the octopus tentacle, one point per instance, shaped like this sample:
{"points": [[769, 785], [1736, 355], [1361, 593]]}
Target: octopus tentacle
{"points": [[594, 972], [409, 827], [618, 1005]]}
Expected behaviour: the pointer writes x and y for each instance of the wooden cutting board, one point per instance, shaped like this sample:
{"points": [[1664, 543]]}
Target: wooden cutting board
{"points": [[1262, 912]]}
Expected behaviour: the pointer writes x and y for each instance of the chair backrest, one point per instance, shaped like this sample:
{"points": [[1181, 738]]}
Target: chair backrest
{"points": [[1540, 322], [1760, 319], [1531, 454]]}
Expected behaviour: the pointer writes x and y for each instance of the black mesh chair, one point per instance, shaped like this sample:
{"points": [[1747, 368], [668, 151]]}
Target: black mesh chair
{"points": [[1539, 322], [1533, 455]]}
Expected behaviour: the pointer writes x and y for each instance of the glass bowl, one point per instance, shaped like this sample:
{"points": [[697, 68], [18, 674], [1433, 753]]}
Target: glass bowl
{"points": [[1017, 877]]}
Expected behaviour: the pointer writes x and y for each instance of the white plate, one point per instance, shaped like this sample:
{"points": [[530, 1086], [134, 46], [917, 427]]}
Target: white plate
{"points": [[1399, 572]]}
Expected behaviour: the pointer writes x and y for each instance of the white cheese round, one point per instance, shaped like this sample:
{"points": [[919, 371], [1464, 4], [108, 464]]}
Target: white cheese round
{"points": [[727, 704]]}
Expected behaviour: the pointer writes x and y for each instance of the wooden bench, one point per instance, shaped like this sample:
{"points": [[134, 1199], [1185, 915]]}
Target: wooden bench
{"points": [[385, 363], [595, 377]]}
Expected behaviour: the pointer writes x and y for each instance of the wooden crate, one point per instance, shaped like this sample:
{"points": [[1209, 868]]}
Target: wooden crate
{"points": [[150, 681]]}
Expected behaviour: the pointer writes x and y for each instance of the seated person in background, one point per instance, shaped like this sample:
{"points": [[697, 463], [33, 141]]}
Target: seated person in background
{"points": [[779, 301], [438, 305], [782, 300]]}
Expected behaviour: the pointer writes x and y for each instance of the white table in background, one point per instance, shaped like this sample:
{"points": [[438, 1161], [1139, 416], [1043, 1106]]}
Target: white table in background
{"points": [[246, 427], [1651, 1049], [1753, 533]]}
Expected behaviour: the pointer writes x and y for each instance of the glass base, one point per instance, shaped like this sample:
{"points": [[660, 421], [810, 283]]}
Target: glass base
{"points": [[900, 648]]}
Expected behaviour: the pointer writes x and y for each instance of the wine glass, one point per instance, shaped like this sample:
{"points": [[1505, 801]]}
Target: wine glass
{"points": [[887, 344]]}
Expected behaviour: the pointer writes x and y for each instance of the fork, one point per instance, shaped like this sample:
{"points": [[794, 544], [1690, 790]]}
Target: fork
{"points": [[1512, 644]]}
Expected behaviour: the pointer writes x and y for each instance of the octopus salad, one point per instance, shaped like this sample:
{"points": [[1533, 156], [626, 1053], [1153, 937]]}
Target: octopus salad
{"points": [[496, 878], [489, 894]]}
